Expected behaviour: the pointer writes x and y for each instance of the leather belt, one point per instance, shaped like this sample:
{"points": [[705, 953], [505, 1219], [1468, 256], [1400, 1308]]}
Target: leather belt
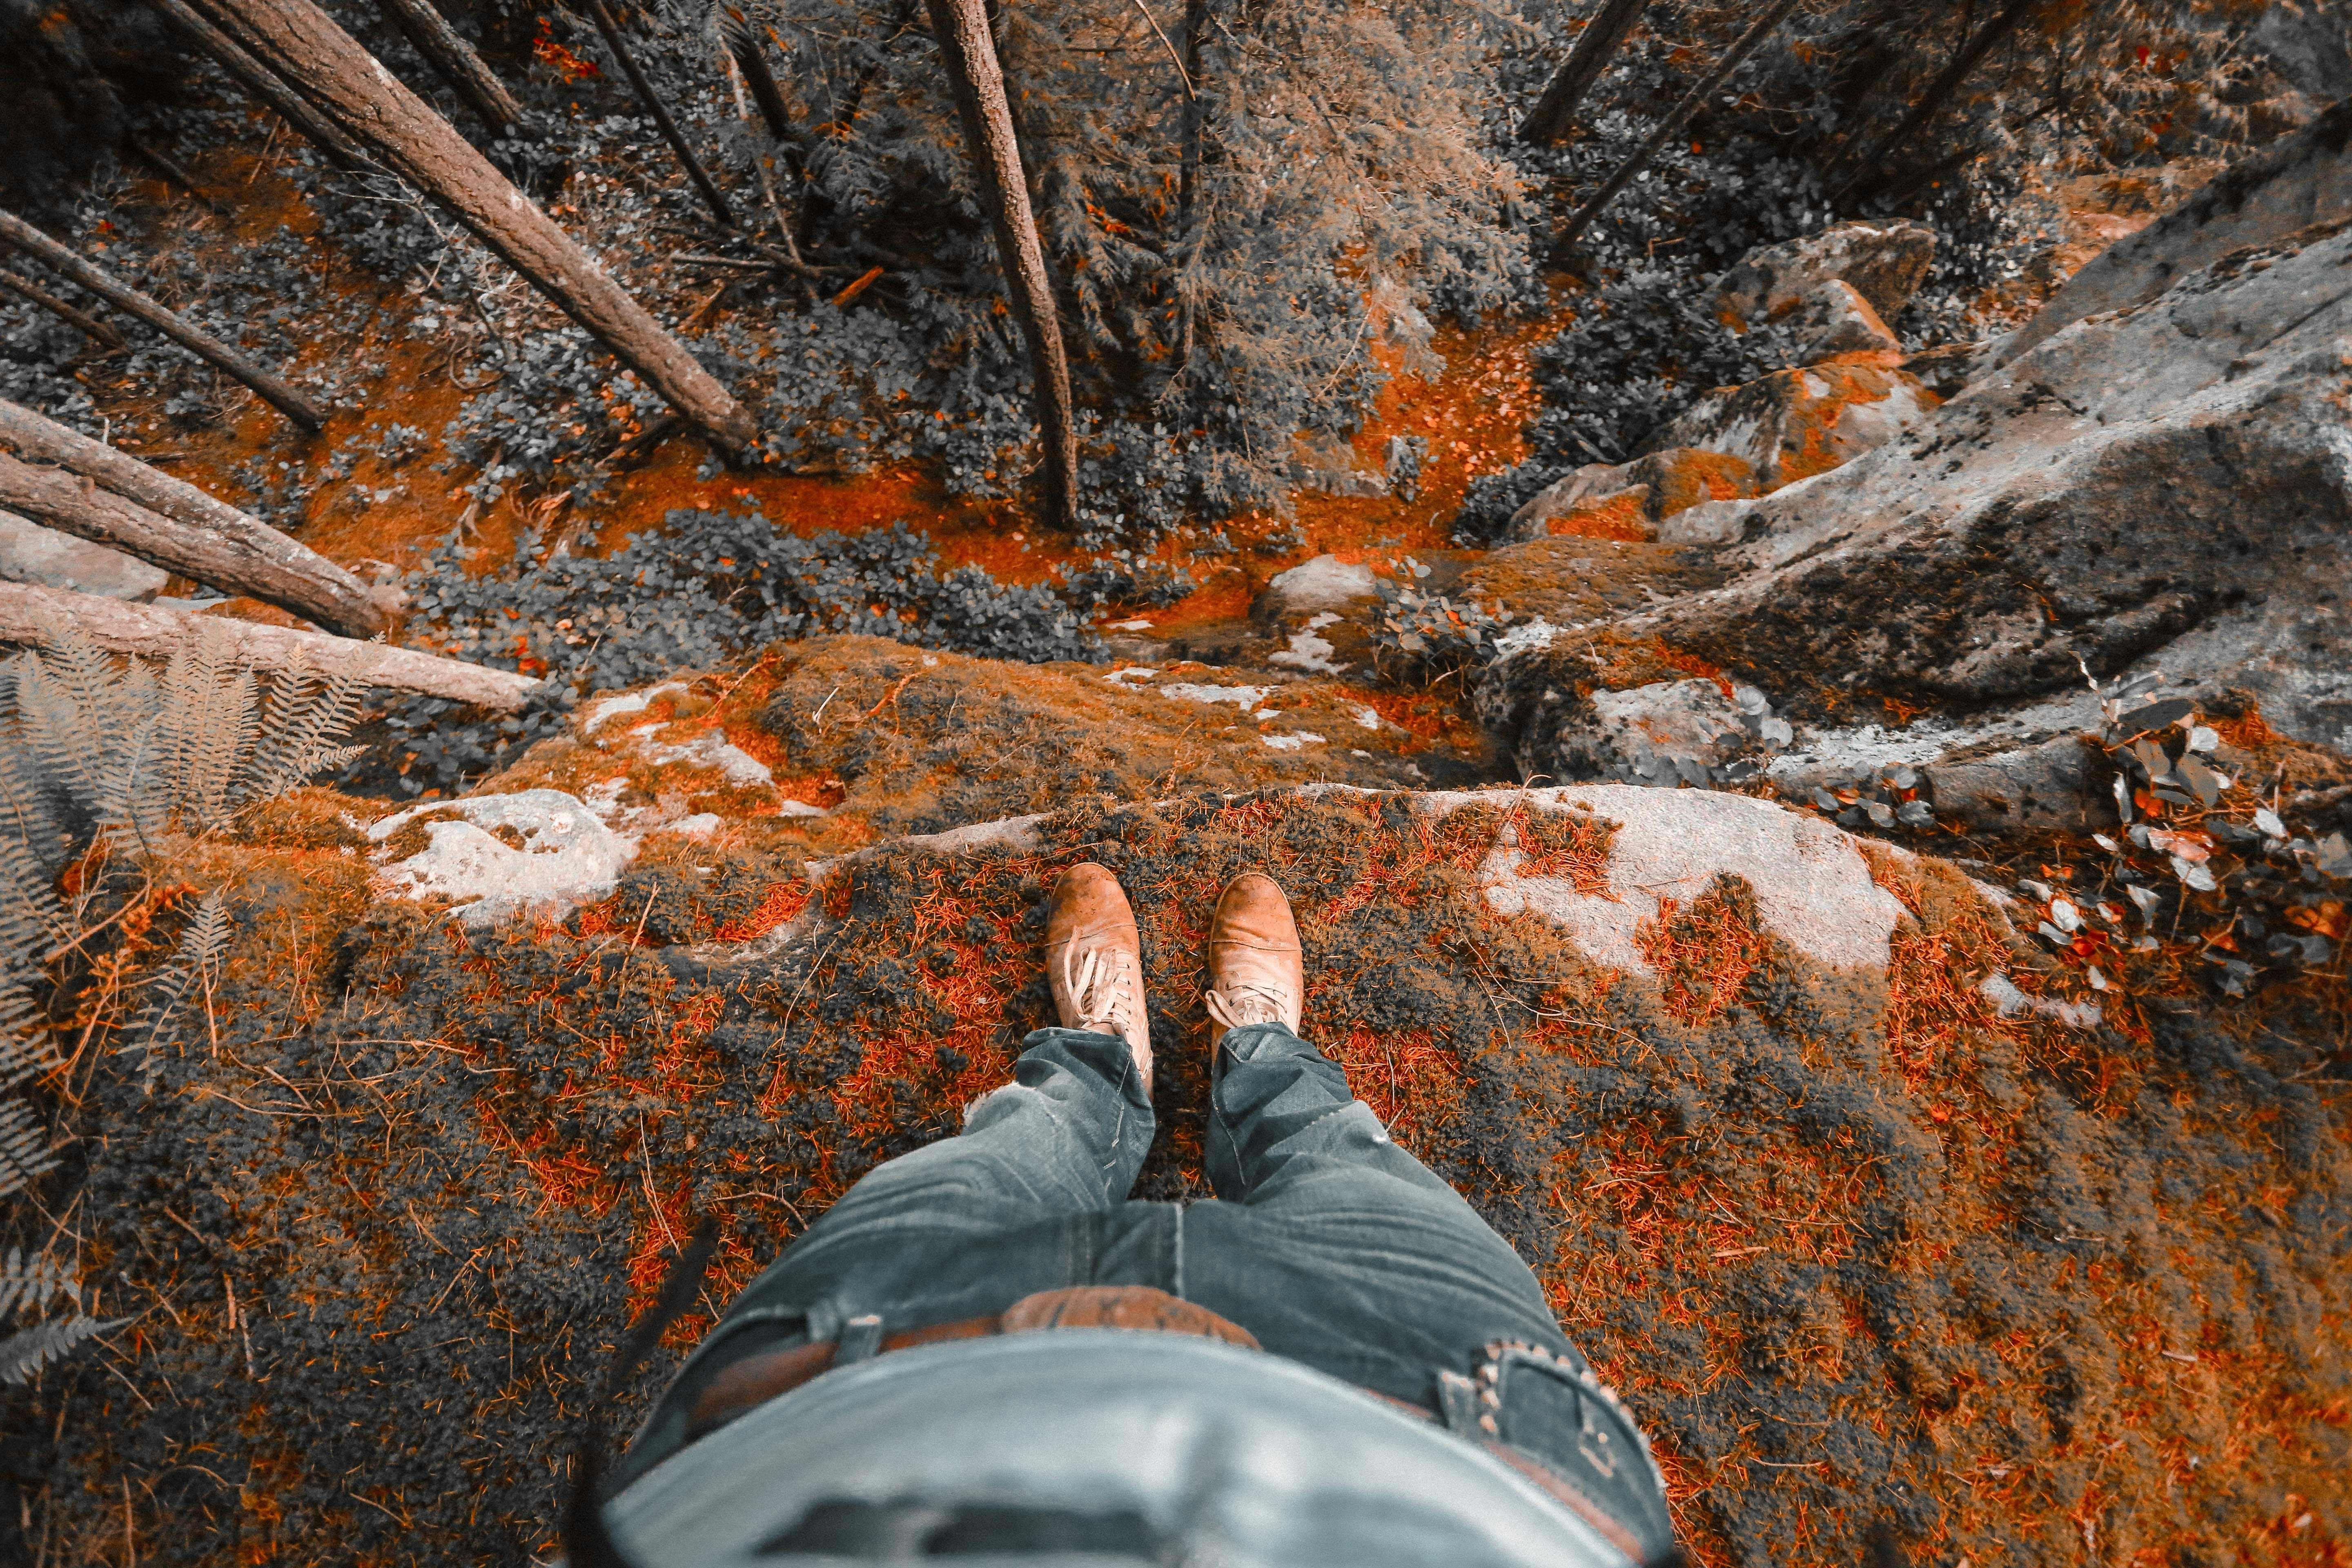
{"points": [[755, 1380]]}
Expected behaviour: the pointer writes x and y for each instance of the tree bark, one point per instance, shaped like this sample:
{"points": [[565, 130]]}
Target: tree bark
{"points": [[143, 513], [1554, 114], [89, 326], [1872, 165], [123, 297], [1196, 112], [611, 32], [251, 75], [455, 61], [28, 613], [295, 38], [1670, 126], [962, 28]]}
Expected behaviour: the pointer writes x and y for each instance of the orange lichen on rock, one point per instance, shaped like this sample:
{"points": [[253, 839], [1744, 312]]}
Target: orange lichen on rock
{"points": [[1689, 475], [1623, 516]]}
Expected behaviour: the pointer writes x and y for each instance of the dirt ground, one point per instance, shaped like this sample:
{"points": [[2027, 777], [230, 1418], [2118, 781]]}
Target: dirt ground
{"points": [[1876, 1268]]}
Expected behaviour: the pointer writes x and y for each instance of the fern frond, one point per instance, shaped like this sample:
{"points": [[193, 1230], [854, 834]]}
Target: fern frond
{"points": [[284, 717], [297, 738], [24, 1052], [23, 1147], [177, 706], [201, 947], [30, 1283], [63, 729], [225, 717], [23, 1356]]}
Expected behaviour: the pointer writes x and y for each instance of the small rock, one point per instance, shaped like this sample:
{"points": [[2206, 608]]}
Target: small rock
{"points": [[1633, 501], [1325, 582], [45, 558], [497, 855], [1831, 318], [2057, 785], [1884, 262]]}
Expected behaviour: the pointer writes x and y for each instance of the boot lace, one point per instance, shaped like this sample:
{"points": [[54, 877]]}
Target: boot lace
{"points": [[1103, 990], [1242, 1004]]}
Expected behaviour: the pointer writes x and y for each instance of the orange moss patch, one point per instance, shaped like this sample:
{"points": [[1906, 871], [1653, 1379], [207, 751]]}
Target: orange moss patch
{"points": [[1411, 1082], [1571, 843], [1704, 955], [1690, 476], [784, 900], [1623, 662]]}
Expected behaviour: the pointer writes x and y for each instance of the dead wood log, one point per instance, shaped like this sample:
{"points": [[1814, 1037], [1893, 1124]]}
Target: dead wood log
{"points": [[610, 29], [28, 614], [251, 75], [271, 389], [1554, 114], [960, 27], [87, 326], [303, 44], [455, 61], [144, 512]]}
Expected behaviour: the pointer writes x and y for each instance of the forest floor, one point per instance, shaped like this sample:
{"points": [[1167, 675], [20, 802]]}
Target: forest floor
{"points": [[1865, 1255], [1471, 411]]}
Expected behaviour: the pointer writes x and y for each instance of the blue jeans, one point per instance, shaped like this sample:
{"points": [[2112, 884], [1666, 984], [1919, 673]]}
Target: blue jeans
{"points": [[1328, 1242]]}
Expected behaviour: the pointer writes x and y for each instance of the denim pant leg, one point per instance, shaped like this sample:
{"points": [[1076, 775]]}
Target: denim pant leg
{"points": [[956, 1229], [1335, 1247]]}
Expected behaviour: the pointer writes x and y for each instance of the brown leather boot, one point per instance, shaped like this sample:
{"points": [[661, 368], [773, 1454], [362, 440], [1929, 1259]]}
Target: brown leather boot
{"points": [[1256, 972], [1094, 959]]}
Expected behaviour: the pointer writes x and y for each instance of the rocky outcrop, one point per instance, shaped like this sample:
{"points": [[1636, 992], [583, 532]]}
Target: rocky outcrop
{"points": [[2264, 202], [1798, 422], [2167, 489]]}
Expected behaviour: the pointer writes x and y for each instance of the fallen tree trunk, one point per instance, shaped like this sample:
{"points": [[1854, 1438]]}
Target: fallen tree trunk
{"points": [[303, 44], [454, 59], [960, 27], [151, 631], [278, 393], [742, 41], [243, 555], [1555, 112], [256, 78], [87, 326], [610, 30]]}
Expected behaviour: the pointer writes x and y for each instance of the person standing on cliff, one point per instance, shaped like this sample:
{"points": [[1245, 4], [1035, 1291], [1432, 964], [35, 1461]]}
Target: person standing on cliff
{"points": [[984, 1350]]}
